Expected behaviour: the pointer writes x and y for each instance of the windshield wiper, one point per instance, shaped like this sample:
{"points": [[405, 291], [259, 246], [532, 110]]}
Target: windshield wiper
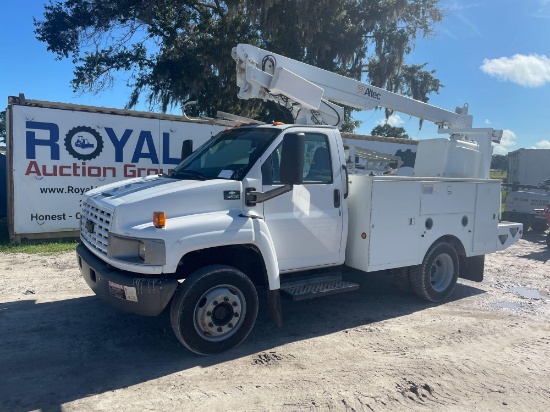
{"points": [[189, 173]]}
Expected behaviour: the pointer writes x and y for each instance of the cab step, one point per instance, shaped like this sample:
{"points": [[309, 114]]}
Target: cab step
{"points": [[315, 287]]}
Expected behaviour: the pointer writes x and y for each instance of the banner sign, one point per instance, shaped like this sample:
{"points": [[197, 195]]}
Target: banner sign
{"points": [[60, 154]]}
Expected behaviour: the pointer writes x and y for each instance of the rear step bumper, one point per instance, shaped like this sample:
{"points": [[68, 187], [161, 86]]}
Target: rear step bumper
{"points": [[508, 234]]}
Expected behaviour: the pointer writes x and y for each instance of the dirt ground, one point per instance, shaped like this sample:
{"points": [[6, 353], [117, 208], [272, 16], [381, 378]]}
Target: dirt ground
{"points": [[375, 349]]}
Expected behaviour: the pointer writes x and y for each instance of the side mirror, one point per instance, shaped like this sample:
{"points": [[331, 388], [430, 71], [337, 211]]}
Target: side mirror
{"points": [[292, 159], [291, 171], [186, 149]]}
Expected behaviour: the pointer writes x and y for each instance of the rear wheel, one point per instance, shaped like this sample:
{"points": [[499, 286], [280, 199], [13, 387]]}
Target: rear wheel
{"points": [[539, 227], [548, 239], [214, 309], [435, 279]]}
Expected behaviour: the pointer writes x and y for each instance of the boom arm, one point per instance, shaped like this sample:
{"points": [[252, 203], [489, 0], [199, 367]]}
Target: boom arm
{"points": [[312, 95], [309, 92]]}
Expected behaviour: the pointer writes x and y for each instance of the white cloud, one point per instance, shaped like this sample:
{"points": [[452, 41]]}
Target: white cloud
{"points": [[543, 144], [448, 33], [526, 70], [497, 149], [507, 143], [487, 121], [542, 11], [467, 22], [460, 5], [394, 120], [460, 10]]}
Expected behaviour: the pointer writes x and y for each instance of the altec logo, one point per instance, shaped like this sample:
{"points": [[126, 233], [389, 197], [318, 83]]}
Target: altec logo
{"points": [[366, 91], [84, 143]]}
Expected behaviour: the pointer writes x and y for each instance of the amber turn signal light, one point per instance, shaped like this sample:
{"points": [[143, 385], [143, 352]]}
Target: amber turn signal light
{"points": [[159, 219]]}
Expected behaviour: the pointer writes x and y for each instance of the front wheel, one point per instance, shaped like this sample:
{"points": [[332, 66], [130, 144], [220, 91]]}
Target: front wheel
{"points": [[214, 309], [435, 279]]}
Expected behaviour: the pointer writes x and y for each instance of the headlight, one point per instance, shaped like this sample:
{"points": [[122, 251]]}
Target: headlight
{"points": [[141, 250], [135, 250]]}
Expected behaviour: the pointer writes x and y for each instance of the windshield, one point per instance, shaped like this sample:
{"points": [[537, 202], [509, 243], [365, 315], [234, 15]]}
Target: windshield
{"points": [[230, 155]]}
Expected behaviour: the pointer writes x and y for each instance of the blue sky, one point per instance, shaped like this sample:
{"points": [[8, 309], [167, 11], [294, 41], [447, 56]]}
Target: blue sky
{"points": [[495, 56], [491, 54]]}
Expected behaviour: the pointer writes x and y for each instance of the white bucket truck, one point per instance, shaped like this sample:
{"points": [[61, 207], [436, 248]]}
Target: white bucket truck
{"points": [[275, 206]]}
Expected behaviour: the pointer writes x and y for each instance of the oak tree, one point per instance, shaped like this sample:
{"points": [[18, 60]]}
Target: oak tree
{"points": [[175, 51], [3, 127], [388, 130]]}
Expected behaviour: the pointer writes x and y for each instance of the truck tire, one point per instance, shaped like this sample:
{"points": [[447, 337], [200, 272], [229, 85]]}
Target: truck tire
{"points": [[214, 309], [435, 279], [400, 278], [539, 227]]}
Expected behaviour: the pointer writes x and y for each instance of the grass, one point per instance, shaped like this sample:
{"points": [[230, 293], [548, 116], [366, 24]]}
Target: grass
{"points": [[499, 174], [42, 248], [502, 175]]}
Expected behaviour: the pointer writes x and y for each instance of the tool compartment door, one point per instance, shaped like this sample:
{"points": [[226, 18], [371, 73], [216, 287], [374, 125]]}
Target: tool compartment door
{"points": [[395, 225], [486, 218]]}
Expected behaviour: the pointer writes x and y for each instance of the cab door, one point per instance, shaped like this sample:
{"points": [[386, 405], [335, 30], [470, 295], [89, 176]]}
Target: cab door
{"points": [[306, 223]]}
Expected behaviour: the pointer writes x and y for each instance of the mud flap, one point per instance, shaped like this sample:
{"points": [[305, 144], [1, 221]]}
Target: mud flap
{"points": [[472, 268], [274, 307]]}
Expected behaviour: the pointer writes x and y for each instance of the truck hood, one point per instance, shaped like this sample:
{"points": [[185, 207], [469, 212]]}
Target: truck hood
{"points": [[133, 202]]}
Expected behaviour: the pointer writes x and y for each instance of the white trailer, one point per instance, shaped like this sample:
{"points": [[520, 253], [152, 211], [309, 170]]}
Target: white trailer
{"points": [[57, 151], [528, 166], [528, 188], [275, 206]]}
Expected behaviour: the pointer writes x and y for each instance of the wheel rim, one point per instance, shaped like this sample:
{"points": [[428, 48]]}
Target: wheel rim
{"points": [[220, 312], [442, 272]]}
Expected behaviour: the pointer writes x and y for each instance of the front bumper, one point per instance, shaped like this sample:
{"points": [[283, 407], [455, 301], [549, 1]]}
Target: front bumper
{"points": [[125, 291]]}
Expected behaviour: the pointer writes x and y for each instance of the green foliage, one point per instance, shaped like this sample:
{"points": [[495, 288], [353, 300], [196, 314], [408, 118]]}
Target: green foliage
{"points": [[43, 248], [390, 131], [175, 51], [3, 127], [499, 174], [499, 162]]}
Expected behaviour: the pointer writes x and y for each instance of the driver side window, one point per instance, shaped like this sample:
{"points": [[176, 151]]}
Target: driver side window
{"points": [[317, 162]]}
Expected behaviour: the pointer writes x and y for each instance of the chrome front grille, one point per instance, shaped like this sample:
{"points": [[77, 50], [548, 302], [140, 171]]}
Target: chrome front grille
{"points": [[94, 227]]}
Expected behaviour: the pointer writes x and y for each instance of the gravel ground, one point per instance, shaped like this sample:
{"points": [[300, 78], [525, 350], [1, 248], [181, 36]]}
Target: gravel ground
{"points": [[376, 349]]}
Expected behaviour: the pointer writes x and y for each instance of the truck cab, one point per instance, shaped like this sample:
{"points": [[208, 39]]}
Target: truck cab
{"points": [[228, 205]]}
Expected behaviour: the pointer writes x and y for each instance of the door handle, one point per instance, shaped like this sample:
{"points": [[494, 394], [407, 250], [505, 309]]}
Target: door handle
{"points": [[336, 197], [347, 181]]}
